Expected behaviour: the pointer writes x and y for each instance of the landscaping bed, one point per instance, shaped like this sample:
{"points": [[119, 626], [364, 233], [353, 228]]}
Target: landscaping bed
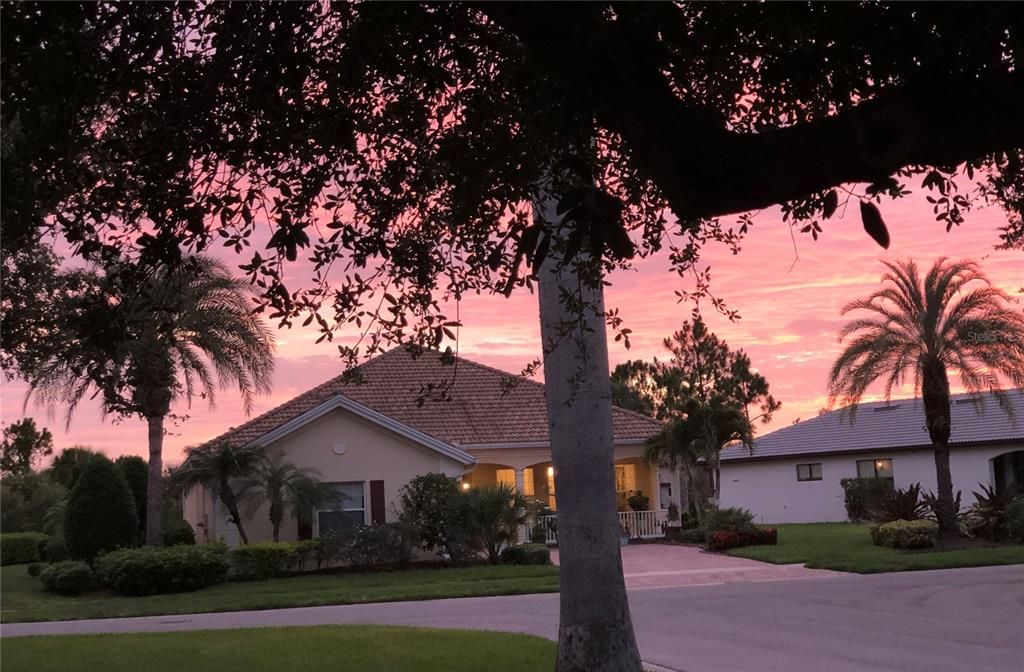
{"points": [[22, 597], [310, 649], [847, 547]]}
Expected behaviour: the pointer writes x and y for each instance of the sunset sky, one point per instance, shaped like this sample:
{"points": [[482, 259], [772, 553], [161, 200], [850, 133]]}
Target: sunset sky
{"points": [[789, 323]]}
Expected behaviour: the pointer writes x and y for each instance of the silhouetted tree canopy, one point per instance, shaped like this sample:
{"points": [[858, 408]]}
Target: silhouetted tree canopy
{"points": [[397, 145]]}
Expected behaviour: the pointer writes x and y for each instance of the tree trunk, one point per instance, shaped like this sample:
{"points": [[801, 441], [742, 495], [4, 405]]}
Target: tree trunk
{"points": [[595, 631], [155, 483], [227, 495], [947, 513]]}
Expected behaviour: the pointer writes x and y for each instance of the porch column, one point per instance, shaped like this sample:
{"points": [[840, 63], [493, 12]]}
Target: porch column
{"points": [[655, 487], [523, 535]]}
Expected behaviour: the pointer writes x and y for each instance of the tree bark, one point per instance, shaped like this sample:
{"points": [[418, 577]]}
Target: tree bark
{"points": [[595, 631], [946, 514], [155, 483], [227, 495]]}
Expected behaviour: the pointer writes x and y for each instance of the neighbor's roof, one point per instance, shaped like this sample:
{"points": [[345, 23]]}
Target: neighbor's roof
{"points": [[896, 424], [478, 412]]}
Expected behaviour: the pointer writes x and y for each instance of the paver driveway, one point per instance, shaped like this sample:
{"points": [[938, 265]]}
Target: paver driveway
{"points": [[667, 566]]}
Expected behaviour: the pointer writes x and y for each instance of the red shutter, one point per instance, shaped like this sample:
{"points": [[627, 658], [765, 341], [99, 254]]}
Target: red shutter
{"points": [[377, 502]]}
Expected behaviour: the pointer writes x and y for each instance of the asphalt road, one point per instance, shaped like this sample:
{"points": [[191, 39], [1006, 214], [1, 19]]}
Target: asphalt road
{"points": [[962, 620]]}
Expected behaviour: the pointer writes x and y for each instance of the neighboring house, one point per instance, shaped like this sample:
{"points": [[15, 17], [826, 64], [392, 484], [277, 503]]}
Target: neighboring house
{"points": [[793, 475], [372, 432]]}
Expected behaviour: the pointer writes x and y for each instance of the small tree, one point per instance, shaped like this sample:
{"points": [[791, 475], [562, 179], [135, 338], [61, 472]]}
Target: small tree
{"points": [[24, 446], [286, 487], [434, 504], [136, 472], [495, 513], [100, 514], [68, 466], [222, 468]]}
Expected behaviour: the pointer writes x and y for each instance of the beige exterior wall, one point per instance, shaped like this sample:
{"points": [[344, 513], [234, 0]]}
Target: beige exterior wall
{"points": [[345, 447]]}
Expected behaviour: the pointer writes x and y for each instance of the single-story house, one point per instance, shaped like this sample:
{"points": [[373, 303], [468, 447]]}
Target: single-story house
{"points": [[371, 432], [793, 475]]}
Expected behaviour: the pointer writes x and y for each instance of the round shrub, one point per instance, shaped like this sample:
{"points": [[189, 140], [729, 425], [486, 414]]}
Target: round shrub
{"points": [[1015, 520], [55, 550], [100, 514], [178, 532], [70, 577], [20, 547], [694, 535], [154, 570], [906, 534], [385, 544], [34, 568], [526, 554]]}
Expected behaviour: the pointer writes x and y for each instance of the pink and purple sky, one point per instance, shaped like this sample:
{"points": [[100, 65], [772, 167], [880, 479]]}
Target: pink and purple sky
{"points": [[790, 318]]}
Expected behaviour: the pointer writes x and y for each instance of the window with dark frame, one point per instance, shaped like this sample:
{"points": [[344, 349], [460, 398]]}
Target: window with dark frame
{"points": [[808, 472], [878, 468]]}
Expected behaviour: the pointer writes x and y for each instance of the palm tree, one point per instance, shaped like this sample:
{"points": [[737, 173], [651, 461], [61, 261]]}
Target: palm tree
{"points": [[222, 468], [286, 487], [495, 513], [187, 331], [696, 438], [951, 320]]}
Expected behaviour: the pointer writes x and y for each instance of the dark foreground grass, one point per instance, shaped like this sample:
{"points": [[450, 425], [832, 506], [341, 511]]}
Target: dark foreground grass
{"points": [[22, 597], [351, 648], [847, 547]]}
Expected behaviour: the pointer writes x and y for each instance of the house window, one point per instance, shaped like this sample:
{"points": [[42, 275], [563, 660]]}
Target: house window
{"points": [[874, 468], [349, 511], [505, 477], [625, 477], [528, 489], [808, 472]]}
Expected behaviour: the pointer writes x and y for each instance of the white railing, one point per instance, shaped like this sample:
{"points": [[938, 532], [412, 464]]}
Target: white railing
{"points": [[641, 524], [638, 524]]}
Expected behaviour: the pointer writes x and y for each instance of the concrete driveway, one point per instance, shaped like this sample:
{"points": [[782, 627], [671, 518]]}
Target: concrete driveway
{"points": [[952, 620], [669, 565]]}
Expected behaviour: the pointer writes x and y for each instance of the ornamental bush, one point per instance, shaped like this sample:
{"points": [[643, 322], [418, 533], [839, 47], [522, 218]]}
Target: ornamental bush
{"points": [[724, 540], [264, 560], [177, 532], [906, 534], [55, 550], [382, 545], [100, 514], [70, 577], [436, 506], [734, 519], [34, 569], [861, 495], [155, 570], [20, 547], [694, 535], [1015, 520], [526, 554]]}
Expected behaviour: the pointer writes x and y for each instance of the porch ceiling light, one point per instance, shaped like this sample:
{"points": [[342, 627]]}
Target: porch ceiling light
{"points": [[551, 471], [465, 485]]}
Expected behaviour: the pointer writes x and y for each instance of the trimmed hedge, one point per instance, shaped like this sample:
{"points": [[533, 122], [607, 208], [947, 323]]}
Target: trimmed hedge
{"points": [[155, 570], [382, 544], [70, 577], [862, 495], [1015, 520], [694, 535], [526, 554], [178, 532], [55, 550], [906, 534], [724, 540], [265, 559], [17, 548], [34, 569]]}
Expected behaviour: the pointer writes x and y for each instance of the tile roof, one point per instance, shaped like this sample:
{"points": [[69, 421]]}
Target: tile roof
{"points": [[477, 413], [896, 424]]}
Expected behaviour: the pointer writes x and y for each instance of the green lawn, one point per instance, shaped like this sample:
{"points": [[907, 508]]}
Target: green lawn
{"points": [[847, 547], [22, 597], [315, 649]]}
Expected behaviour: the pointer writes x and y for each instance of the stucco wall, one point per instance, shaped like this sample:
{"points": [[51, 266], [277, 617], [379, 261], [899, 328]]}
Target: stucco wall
{"points": [[770, 488]]}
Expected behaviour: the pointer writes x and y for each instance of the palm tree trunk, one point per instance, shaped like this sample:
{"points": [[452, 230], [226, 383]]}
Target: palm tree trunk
{"points": [[595, 631], [947, 513], [227, 495], [155, 482]]}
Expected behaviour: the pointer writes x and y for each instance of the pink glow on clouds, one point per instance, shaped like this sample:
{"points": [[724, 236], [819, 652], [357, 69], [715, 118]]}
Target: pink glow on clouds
{"points": [[789, 323]]}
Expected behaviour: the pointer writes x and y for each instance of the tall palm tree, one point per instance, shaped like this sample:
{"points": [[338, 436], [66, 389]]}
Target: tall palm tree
{"points": [[920, 330], [223, 468], [181, 332], [286, 487]]}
